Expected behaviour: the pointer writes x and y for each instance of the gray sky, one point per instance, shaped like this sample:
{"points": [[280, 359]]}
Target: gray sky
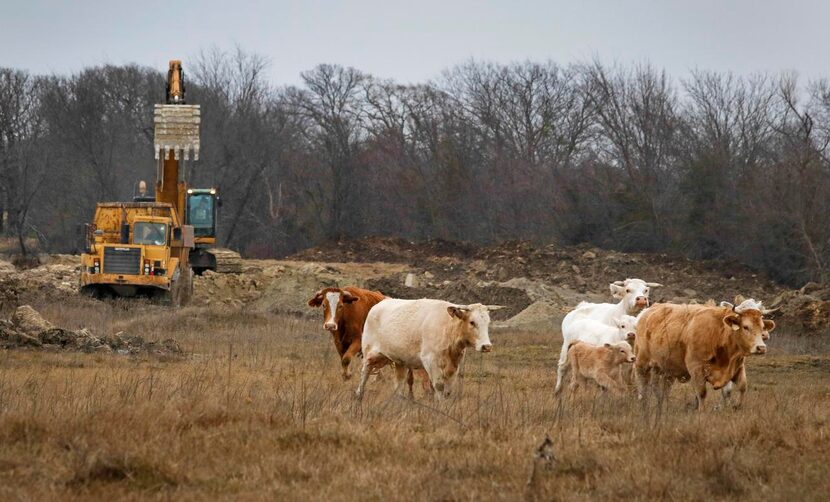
{"points": [[413, 41]]}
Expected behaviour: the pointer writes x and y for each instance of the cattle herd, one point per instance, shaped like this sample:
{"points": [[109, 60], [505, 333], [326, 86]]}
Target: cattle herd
{"points": [[614, 345]]}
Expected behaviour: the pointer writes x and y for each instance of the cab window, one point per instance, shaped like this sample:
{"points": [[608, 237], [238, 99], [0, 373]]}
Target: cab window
{"points": [[149, 234], [200, 213]]}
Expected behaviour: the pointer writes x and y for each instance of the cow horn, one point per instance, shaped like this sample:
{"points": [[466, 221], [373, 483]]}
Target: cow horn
{"points": [[654, 285], [770, 311], [618, 283], [495, 307], [727, 304]]}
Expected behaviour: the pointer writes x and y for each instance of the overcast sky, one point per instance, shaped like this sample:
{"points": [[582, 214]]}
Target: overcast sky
{"points": [[413, 41]]}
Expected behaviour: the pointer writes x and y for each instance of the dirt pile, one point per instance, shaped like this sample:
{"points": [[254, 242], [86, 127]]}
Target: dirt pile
{"points": [[556, 278], [56, 278], [27, 328], [537, 283]]}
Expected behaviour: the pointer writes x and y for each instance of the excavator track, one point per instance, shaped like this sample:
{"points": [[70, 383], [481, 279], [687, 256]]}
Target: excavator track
{"points": [[227, 260]]}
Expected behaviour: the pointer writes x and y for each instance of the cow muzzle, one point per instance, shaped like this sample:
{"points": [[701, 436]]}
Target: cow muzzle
{"points": [[632, 359], [486, 348], [630, 337], [759, 349], [330, 326], [641, 301]]}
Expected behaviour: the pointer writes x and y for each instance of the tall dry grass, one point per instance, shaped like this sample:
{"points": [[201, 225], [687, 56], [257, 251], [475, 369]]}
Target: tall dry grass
{"points": [[259, 411]]}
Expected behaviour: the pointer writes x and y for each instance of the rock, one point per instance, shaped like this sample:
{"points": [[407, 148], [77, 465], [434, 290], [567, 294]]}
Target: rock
{"points": [[58, 336], [478, 266], [429, 275], [690, 293], [29, 321], [576, 269], [22, 339], [6, 268], [413, 281], [809, 288], [589, 255]]}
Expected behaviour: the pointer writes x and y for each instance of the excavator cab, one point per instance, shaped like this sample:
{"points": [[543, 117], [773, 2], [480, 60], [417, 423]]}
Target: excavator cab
{"points": [[202, 211], [202, 204]]}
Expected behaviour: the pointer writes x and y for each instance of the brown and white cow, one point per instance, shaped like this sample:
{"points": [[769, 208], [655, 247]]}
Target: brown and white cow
{"points": [[344, 314], [423, 334], [705, 344]]}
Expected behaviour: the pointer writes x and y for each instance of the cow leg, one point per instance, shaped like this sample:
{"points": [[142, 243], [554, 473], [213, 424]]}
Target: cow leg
{"points": [[643, 380], [372, 361], [740, 383], [364, 375], [560, 369], [436, 375], [607, 382], [410, 380], [400, 377], [562, 374], [698, 383], [665, 388], [426, 385], [346, 360]]}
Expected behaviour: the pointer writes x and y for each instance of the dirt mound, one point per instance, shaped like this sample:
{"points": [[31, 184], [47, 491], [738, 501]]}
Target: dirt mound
{"points": [[515, 300], [27, 328], [55, 280], [561, 277], [389, 250]]}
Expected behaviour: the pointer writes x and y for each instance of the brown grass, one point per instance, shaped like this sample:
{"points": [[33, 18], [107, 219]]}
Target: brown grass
{"points": [[259, 412]]}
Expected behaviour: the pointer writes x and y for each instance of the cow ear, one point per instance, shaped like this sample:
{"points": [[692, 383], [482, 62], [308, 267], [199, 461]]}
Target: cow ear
{"points": [[316, 300], [739, 299], [456, 311], [617, 291], [349, 298], [733, 321], [769, 325]]}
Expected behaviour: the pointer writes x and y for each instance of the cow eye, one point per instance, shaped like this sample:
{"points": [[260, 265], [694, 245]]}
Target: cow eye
{"points": [[627, 290], [712, 359], [473, 323]]}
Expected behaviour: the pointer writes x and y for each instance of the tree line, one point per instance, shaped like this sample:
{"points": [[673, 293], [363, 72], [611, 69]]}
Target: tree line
{"points": [[710, 165]]}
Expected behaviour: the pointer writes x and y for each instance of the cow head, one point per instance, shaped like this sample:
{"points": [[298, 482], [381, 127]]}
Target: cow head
{"points": [[628, 327], [739, 300], [621, 352], [474, 324], [633, 293], [749, 328], [332, 300]]}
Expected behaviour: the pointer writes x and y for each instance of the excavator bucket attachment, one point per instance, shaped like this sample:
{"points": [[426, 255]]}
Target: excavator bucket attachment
{"points": [[177, 131]]}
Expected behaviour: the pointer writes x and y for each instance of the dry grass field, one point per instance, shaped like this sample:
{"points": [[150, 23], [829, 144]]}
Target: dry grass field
{"points": [[257, 410]]}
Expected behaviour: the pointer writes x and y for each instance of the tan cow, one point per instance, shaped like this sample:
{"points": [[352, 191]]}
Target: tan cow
{"points": [[428, 334], [700, 343], [599, 363]]}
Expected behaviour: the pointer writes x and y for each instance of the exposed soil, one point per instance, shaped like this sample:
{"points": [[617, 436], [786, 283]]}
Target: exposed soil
{"points": [[536, 284]]}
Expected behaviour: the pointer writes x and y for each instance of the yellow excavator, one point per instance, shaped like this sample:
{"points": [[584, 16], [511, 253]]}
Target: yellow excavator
{"points": [[144, 247]]}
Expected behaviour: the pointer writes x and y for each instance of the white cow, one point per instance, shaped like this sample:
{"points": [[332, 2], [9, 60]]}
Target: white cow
{"points": [[633, 295], [428, 334], [595, 333]]}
